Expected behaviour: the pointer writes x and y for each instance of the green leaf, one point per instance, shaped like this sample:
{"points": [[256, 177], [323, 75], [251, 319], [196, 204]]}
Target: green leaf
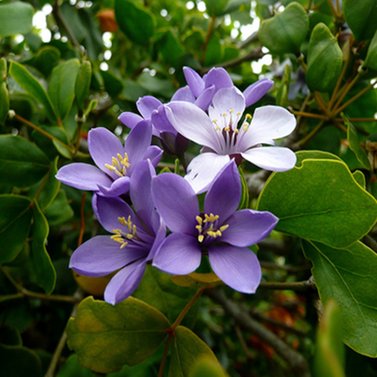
{"points": [[59, 211], [105, 337], [355, 144], [46, 59], [187, 347], [171, 49], [19, 361], [349, 276], [245, 197], [136, 22], [16, 18], [4, 102], [82, 84], [61, 88], [51, 188], [361, 17], [329, 354], [320, 201], [325, 59], [207, 367], [216, 8], [285, 31], [15, 220], [371, 59], [22, 163], [214, 51], [359, 178], [31, 85], [43, 269]]}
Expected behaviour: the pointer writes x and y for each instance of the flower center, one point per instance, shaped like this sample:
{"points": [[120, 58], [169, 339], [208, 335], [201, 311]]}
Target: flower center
{"points": [[119, 164], [229, 130], [121, 236], [208, 226]]}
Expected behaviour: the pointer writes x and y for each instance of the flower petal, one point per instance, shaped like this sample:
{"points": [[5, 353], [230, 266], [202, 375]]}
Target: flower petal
{"points": [[178, 254], [124, 283], [154, 154], [83, 176], [254, 92], [109, 209], [204, 100], [194, 81], [268, 122], [193, 123], [218, 77], [271, 158], [118, 187], [235, 266], [100, 256], [183, 94], [129, 119], [223, 196], [103, 145], [229, 101], [176, 202], [161, 122], [203, 169], [248, 227], [146, 105], [137, 142]]}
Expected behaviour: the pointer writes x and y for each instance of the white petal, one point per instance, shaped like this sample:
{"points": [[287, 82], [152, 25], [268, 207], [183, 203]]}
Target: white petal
{"points": [[203, 169], [269, 122], [271, 158], [229, 101], [193, 123]]}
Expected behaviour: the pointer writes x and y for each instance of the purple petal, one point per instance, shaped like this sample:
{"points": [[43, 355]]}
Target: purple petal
{"points": [[161, 122], [118, 187], [109, 209], [271, 158], [101, 256], [254, 92], [83, 176], [160, 235], [268, 122], [205, 99], [235, 266], [203, 169], [218, 77], [223, 196], [154, 154], [129, 119], [229, 101], [146, 105], [124, 283], [140, 189], [179, 254], [248, 227], [138, 141], [194, 81], [193, 123], [176, 202], [103, 145], [183, 94]]}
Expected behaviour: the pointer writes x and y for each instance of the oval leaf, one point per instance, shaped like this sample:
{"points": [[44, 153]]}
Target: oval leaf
{"points": [[286, 31], [349, 276], [16, 18], [325, 59], [22, 163], [321, 201], [15, 219], [187, 347], [105, 337], [371, 59], [137, 23]]}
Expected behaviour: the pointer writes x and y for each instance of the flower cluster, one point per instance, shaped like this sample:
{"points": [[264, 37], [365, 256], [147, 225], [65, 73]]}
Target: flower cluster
{"points": [[157, 219]]}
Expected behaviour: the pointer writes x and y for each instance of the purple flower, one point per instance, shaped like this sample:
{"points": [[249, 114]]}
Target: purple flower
{"points": [[223, 139], [136, 237], [220, 230], [201, 90], [116, 163]]}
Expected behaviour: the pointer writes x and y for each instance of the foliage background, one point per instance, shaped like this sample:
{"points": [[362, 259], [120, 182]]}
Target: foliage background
{"points": [[93, 60]]}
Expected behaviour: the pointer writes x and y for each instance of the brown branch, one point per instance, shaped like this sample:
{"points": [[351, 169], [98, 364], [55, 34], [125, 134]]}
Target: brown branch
{"points": [[295, 360], [298, 286]]}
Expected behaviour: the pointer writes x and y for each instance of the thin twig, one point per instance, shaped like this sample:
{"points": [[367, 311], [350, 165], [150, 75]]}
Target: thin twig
{"points": [[298, 286], [295, 360]]}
